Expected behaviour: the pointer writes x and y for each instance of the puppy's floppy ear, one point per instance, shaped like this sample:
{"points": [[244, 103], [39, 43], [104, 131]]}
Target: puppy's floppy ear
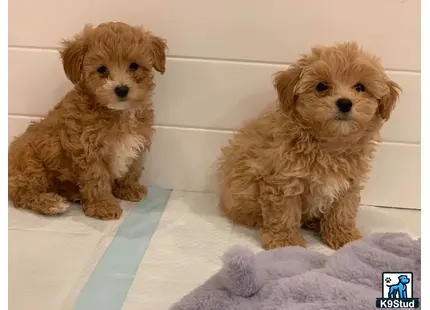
{"points": [[285, 82], [72, 54], [158, 52], [388, 101]]}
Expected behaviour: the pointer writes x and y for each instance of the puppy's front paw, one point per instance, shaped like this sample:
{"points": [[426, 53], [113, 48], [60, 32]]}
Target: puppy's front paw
{"points": [[336, 238], [272, 240], [103, 209], [131, 192]]}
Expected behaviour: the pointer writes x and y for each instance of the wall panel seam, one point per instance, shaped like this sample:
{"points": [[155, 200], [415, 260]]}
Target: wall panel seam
{"points": [[211, 59]]}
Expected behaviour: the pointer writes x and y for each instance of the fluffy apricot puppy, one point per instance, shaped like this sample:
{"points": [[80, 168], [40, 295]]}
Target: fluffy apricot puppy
{"points": [[89, 147], [304, 163]]}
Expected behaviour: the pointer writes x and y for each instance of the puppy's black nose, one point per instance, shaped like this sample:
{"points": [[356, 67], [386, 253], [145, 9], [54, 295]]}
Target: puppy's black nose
{"points": [[344, 105], [121, 91]]}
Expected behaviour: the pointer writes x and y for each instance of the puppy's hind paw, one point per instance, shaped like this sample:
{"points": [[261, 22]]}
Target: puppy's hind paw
{"points": [[49, 204]]}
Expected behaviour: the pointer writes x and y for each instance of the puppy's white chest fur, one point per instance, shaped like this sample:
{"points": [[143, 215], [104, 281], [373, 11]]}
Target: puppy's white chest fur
{"points": [[325, 193], [123, 152]]}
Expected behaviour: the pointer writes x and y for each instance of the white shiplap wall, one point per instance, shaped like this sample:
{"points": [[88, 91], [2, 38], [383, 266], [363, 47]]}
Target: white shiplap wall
{"points": [[222, 55]]}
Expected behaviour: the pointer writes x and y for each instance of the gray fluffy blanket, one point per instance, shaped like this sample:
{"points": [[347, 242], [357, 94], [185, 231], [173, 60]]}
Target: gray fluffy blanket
{"points": [[295, 278]]}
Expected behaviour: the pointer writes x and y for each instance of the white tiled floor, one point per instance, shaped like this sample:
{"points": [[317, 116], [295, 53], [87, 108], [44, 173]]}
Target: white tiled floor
{"points": [[50, 259]]}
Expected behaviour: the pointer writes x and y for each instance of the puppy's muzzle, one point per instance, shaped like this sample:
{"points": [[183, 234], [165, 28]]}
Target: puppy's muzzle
{"points": [[344, 105], [121, 91]]}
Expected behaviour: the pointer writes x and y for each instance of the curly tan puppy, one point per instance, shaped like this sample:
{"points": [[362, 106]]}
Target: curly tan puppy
{"points": [[90, 146], [304, 163]]}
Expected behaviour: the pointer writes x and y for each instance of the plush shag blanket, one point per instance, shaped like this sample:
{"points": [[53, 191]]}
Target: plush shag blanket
{"points": [[295, 278]]}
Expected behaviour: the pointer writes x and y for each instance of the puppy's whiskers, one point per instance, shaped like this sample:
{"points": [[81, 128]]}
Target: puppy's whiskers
{"points": [[341, 116], [118, 105]]}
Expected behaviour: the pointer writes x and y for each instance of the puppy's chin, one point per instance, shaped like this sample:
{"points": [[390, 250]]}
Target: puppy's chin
{"points": [[119, 105], [343, 127]]}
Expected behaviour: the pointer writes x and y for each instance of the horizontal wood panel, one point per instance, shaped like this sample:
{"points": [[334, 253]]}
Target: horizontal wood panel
{"points": [[270, 31], [184, 159], [194, 93]]}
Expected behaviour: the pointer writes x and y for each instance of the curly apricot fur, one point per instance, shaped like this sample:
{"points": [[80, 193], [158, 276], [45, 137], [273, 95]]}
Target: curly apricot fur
{"points": [[89, 147], [304, 164]]}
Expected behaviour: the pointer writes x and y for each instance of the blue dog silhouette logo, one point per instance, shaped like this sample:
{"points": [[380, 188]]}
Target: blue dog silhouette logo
{"points": [[397, 291]]}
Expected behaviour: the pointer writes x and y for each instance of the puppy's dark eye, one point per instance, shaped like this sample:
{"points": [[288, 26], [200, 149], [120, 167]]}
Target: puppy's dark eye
{"points": [[321, 87], [359, 87], [133, 66], [102, 69]]}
